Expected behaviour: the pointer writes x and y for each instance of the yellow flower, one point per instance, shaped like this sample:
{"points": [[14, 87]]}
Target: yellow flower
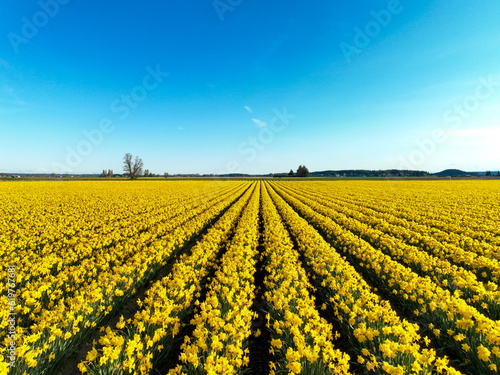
{"points": [[294, 367], [276, 343], [483, 353], [371, 366], [416, 367], [82, 367], [459, 337]]}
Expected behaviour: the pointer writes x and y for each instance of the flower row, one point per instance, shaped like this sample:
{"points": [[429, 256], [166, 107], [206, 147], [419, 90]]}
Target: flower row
{"points": [[381, 339], [61, 329], [222, 325], [301, 341], [148, 337], [485, 298], [473, 338]]}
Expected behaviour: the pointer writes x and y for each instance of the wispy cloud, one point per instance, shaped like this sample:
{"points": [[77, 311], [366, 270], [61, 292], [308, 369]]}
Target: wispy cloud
{"points": [[9, 100], [259, 123], [248, 109], [9, 110], [477, 136]]}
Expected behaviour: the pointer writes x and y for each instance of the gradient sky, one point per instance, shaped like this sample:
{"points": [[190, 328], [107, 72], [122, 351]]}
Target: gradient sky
{"points": [[253, 87]]}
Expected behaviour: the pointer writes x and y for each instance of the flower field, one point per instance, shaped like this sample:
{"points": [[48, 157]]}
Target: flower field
{"points": [[250, 276]]}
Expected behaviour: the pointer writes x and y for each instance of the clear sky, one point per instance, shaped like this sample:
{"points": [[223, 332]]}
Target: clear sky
{"points": [[250, 86]]}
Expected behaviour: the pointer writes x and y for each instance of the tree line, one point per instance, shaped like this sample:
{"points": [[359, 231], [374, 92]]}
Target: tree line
{"points": [[134, 168], [302, 171]]}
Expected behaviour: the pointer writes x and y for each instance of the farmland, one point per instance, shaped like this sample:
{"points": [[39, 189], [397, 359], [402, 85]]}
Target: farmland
{"points": [[223, 277]]}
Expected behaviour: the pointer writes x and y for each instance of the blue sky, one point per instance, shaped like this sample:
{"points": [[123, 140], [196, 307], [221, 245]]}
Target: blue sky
{"points": [[252, 87]]}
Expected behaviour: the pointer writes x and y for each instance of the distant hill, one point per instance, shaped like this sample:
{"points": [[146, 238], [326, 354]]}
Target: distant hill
{"points": [[454, 173], [369, 173]]}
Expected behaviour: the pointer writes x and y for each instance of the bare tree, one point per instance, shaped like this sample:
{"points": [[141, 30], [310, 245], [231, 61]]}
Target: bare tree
{"points": [[133, 169]]}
